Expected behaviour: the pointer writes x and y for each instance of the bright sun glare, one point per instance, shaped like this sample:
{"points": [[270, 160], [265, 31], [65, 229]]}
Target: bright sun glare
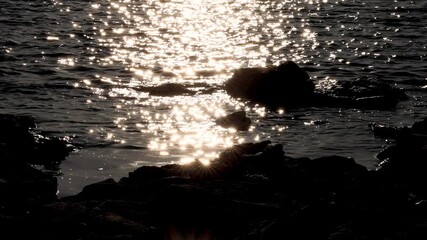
{"points": [[188, 42]]}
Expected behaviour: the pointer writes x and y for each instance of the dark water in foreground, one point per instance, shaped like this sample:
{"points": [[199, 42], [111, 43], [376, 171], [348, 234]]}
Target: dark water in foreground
{"points": [[78, 67]]}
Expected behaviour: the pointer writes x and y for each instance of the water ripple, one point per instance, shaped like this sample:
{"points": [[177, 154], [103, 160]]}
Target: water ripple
{"points": [[82, 67]]}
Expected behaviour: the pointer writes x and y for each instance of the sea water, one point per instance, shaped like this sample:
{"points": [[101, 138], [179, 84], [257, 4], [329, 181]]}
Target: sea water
{"points": [[79, 67]]}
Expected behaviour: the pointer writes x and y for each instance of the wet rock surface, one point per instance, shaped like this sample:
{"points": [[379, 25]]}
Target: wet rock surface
{"points": [[23, 188], [366, 92], [20, 141], [290, 86], [236, 120], [21, 146], [286, 84], [252, 191]]}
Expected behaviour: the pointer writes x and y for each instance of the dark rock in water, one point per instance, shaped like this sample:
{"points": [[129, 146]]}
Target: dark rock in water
{"points": [[22, 186], [236, 120], [420, 127], [385, 131], [21, 142], [367, 92], [176, 89], [366, 86], [406, 161], [286, 84], [407, 137], [16, 122], [168, 90], [15, 132], [387, 153]]}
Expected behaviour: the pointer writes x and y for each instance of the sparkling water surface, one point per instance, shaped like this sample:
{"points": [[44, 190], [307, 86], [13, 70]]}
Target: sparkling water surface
{"points": [[79, 67]]}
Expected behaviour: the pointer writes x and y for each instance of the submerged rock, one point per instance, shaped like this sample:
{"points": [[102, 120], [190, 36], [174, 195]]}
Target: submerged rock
{"points": [[366, 92], [236, 120], [177, 89], [168, 90]]}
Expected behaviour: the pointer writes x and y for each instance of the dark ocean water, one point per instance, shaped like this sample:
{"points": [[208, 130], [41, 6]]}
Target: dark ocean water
{"points": [[78, 67]]}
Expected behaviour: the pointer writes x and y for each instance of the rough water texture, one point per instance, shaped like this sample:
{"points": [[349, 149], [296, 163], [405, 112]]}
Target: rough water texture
{"points": [[136, 83], [86, 70]]}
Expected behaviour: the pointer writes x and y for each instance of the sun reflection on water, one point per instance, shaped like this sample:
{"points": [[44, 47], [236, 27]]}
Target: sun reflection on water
{"points": [[188, 42], [189, 37], [187, 131]]}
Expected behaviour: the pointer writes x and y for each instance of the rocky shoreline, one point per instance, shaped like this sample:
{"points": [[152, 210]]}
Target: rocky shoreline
{"points": [[252, 191]]}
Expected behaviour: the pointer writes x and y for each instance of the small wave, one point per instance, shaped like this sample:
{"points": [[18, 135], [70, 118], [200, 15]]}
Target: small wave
{"points": [[59, 55], [6, 72], [7, 58]]}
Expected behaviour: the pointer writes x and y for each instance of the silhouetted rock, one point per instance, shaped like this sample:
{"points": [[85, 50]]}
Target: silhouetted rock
{"points": [[22, 187], [236, 120], [177, 89], [251, 191], [406, 161], [385, 131], [107, 189], [237, 152], [420, 127], [148, 173], [286, 84], [107, 219], [387, 153], [337, 169], [19, 141]]}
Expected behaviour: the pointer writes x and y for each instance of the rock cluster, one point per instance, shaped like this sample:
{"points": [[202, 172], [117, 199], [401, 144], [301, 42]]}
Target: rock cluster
{"points": [[289, 85], [23, 187], [19, 140], [367, 92], [252, 191]]}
